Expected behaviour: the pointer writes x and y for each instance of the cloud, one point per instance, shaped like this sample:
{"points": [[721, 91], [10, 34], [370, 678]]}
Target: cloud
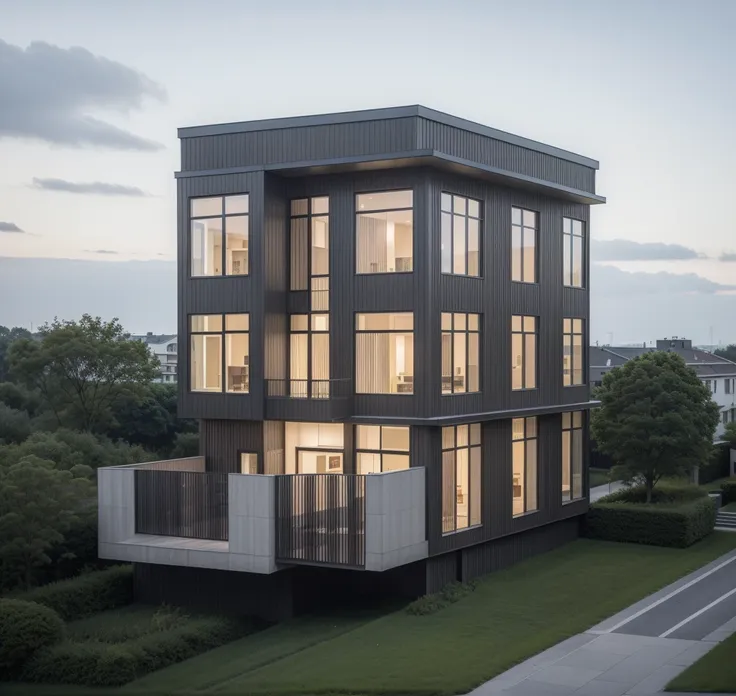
{"points": [[10, 227], [48, 93], [95, 187], [627, 250], [100, 251], [609, 280], [728, 257]]}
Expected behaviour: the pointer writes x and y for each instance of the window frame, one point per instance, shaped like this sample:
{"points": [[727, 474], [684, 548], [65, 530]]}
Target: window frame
{"points": [[570, 244], [524, 333], [309, 216], [523, 227], [223, 215], [380, 451], [466, 216], [357, 331], [310, 381], [583, 351], [357, 212], [526, 439], [223, 333], [569, 427], [470, 447], [467, 332]]}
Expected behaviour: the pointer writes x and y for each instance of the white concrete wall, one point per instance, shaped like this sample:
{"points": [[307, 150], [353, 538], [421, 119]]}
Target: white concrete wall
{"points": [[115, 505], [395, 532], [252, 521], [726, 402]]}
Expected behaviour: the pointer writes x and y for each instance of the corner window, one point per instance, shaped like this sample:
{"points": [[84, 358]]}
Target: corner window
{"points": [[461, 477], [524, 467], [572, 352], [219, 235], [523, 352], [219, 340], [384, 353], [460, 242], [384, 224], [572, 456], [381, 448], [460, 353], [523, 245], [572, 252]]}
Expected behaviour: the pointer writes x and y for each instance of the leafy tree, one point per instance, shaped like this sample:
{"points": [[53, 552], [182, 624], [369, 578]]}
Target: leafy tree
{"points": [[38, 504], [15, 426], [81, 368], [729, 352], [7, 336], [656, 419], [15, 396], [186, 445], [729, 434]]}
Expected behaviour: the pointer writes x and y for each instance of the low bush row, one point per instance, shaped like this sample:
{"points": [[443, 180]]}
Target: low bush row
{"points": [[432, 603], [86, 594], [676, 517], [25, 627], [105, 664]]}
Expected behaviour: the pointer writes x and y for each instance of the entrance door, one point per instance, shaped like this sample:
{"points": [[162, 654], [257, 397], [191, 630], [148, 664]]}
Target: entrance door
{"points": [[319, 462]]}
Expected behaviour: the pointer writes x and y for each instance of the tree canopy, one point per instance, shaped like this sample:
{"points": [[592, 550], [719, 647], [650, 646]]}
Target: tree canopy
{"points": [[729, 352], [656, 419]]}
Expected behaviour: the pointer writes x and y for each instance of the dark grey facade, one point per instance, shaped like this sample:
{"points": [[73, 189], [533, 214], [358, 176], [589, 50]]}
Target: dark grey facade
{"points": [[427, 152]]}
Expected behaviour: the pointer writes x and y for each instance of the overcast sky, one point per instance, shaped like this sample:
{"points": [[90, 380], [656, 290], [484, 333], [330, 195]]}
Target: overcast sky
{"points": [[91, 94]]}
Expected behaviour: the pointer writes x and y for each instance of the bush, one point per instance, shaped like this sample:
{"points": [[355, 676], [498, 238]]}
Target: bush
{"points": [[729, 491], [86, 594], [103, 664], [15, 426], [25, 627], [676, 517], [719, 465], [449, 594]]}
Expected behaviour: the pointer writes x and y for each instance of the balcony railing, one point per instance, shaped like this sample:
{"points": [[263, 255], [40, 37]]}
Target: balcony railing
{"points": [[320, 518]]}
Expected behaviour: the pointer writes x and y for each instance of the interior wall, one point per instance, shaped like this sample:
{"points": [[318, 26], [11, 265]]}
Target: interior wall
{"points": [[315, 435]]}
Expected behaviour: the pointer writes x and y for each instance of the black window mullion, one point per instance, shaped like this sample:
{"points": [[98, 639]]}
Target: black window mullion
{"points": [[224, 241]]}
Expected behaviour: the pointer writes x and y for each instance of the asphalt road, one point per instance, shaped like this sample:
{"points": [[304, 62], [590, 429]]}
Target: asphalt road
{"points": [[692, 612]]}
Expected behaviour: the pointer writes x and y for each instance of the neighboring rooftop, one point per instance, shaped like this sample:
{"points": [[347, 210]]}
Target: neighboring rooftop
{"points": [[153, 339]]}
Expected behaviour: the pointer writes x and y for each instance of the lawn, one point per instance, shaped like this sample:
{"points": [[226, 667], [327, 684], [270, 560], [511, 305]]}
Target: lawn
{"points": [[599, 477], [714, 672]]}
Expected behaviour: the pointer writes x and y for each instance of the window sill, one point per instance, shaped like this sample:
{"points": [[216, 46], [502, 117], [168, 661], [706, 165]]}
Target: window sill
{"points": [[460, 531], [384, 393], [526, 282], [568, 386], [574, 500], [528, 513], [525, 389], [239, 275], [469, 393], [461, 275], [219, 391], [383, 273], [574, 287]]}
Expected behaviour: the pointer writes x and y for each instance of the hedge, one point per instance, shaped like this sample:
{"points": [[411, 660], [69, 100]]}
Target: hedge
{"points": [[719, 465], [105, 664], [729, 491], [25, 627], [677, 517], [86, 594]]}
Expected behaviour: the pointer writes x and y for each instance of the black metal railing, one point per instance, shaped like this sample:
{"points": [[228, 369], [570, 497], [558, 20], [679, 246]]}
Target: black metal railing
{"points": [[321, 519], [181, 503], [308, 388]]}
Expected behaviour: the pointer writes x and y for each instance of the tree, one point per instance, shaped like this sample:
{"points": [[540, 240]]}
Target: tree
{"points": [[15, 426], [729, 434], [38, 504], [729, 352], [656, 419], [81, 368], [7, 336]]}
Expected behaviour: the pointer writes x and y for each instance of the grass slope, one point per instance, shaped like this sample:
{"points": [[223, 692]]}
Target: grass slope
{"points": [[715, 672]]}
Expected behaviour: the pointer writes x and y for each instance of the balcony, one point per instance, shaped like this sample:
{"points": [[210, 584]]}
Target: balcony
{"points": [[314, 399], [177, 513]]}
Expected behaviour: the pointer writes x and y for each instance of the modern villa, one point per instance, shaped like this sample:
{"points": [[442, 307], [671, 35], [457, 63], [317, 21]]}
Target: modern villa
{"points": [[383, 322]]}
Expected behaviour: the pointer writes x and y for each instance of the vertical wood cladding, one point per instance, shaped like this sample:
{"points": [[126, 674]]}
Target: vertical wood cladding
{"points": [[222, 440], [274, 447]]}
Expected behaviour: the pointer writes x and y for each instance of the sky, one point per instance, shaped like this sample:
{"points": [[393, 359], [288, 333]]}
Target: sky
{"points": [[91, 95]]}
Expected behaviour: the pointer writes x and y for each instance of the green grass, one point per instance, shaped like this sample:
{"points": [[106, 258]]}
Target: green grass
{"points": [[715, 672], [599, 477]]}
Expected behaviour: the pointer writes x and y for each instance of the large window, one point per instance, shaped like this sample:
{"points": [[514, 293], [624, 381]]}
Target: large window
{"points": [[523, 352], [572, 456], [309, 357], [310, 241], [523, 245], [381, 448], [461, 477], [460, 243], [384, 353], [524, 468], [460, 353], [219, 340], [572, 252], [219, 235], [572, 352], [384, 224]]}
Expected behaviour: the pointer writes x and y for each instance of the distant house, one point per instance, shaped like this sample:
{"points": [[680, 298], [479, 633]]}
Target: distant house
{"points": [[164, 347], [718, 374]]}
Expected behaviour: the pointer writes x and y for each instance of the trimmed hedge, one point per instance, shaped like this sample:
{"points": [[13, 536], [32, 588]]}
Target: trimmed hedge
{"points": [[449, 594], [676, 517], [25, 627], [729, 491], [105, 664], [86, 594]]}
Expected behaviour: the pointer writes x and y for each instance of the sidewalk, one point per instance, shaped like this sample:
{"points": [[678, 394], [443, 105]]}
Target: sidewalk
{"points": [[639, 650], [605, 489]]}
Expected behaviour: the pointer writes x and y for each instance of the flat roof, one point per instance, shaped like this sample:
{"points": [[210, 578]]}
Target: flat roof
{"points": [[384, 114]]}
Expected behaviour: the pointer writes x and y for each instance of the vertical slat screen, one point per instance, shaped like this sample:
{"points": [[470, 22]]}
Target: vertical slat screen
{"points": [[321, 519]]}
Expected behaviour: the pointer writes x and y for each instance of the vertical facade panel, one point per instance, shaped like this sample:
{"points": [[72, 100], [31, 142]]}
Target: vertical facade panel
{"points": [[221, 441]]}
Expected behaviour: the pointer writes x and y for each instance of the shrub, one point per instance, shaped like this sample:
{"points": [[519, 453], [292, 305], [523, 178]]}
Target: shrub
{"points": [[86, 594], [25, 627], [103, 664], [718, 466], [449, 594], [676, 517], [729, 491]]}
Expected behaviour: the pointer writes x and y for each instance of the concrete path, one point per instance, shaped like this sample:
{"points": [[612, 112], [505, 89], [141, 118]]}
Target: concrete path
{"points": [[605, 489], [639, 650]]}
